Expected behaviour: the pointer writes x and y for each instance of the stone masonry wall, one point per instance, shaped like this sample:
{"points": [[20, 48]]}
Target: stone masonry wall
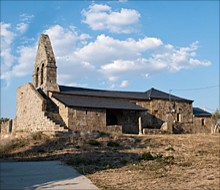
{"points": [[202, 124], [63, 110], [6, 127], [30, 115], [86, 119], [128, 120], [159, 111]]}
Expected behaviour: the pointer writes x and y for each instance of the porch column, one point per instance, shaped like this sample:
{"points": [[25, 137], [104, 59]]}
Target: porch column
{"points": [[140, 126]]}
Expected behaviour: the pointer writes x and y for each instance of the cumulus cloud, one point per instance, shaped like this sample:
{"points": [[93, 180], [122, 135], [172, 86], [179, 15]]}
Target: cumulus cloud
{"points": [[105, 60], [9, 33], [7, 58], [25, 61], [113, 49], [22, 27], [102, 17]]}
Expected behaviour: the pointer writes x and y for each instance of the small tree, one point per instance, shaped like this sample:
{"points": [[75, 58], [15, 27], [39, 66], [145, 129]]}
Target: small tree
{"points": [[216, 115], [2, 119]]}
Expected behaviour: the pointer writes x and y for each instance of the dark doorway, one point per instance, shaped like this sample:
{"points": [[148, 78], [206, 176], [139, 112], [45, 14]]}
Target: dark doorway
{"points": [[111, 119]]}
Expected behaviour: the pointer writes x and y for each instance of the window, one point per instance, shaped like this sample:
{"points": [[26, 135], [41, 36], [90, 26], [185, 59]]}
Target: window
{"points": [[42, 74], [179, 117]]}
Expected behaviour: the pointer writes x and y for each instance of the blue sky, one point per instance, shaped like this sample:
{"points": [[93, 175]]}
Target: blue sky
{"points": [[117, 45]]}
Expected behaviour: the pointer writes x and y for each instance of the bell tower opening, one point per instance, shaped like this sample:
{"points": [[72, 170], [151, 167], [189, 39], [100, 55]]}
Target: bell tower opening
{"points": [[37, 77], [42, 74]]}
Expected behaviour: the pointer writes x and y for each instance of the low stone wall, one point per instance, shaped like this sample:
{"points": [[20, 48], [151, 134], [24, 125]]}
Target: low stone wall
{"points": [[114, 128], [6, 127], [154, 131]]}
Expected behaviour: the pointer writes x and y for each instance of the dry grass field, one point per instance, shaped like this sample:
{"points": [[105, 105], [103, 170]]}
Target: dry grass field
{"points": [[135, 162]]}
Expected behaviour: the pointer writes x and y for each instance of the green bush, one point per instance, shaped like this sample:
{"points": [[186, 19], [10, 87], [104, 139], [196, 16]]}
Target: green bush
{"points": [[93, 142], [113, 144], [147, 156]]}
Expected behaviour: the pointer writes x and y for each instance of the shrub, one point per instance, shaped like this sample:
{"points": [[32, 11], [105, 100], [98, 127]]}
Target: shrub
{"points": [[37, 136], [137, 140], [7, 147], [147, 156], [93, 142], [113, 144]]}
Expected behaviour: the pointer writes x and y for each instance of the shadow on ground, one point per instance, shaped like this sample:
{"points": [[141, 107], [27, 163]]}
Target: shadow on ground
{"points": [[87, 154]]}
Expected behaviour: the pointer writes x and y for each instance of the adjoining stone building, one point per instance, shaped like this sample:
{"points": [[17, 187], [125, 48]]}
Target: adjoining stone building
{"points": [[202, 120], [48, 107]]}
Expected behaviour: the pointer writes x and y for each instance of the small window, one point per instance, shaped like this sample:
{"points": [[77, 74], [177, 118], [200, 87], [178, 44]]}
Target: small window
{"points": [[179, 117], [37, 77]]}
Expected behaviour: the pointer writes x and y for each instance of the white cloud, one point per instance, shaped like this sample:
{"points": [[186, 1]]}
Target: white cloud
{"points": [[22, 27], [9, 34], [81, 59], [101, 17], [26, 60], [7, 58], [123, 1], [124, 84], [165, 58], [114, 49], [65, 39], [26, 17]]}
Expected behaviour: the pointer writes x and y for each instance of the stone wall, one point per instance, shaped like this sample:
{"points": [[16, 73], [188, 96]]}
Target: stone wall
{"points": [[86, 119], [63, 110], [128, 120], [160, 111], [6, 127], [45, 75], [83, 119], [30, 112], [202, 124]]}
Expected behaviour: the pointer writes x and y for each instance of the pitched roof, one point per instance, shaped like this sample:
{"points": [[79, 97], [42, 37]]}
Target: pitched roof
{"points": [[198, 112], [157, 94], [148, 95], [102, 93], [96, 102]]}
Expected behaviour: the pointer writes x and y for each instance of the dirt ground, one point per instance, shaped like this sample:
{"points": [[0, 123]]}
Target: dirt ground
{"points": [[168, 162]]}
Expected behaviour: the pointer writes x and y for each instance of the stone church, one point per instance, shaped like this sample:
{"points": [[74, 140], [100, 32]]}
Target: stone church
{"points": [[45, 106]]}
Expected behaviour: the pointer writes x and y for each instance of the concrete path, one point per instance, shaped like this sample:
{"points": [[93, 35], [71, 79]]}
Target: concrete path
{"points": [[41, 175]]}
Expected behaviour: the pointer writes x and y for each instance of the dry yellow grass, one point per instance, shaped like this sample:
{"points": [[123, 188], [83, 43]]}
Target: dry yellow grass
{"points": [[180, 162]]}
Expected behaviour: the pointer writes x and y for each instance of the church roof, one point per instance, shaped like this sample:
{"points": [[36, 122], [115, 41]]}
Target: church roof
{"points": [[198, 112], [71, 100], [148, 95], [157, 94]]}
